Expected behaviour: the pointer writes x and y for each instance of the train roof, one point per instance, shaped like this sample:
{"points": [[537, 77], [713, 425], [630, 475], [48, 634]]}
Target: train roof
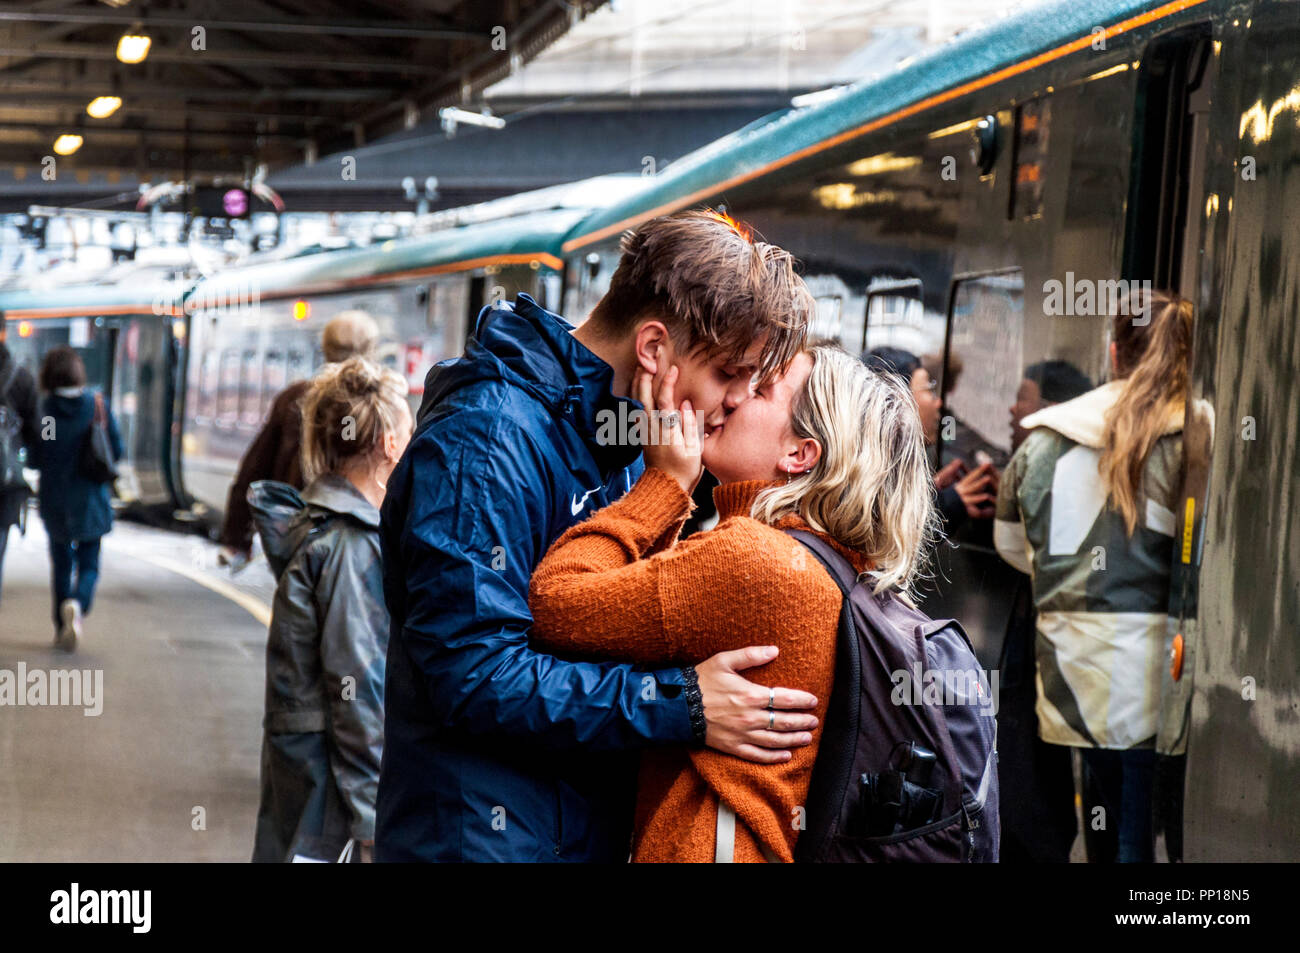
{"points": [[519, 240], [1004, 48], [89, 300]]}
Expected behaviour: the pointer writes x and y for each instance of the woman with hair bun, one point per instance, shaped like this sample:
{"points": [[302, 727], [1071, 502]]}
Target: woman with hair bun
{"points": [[326, 651]]}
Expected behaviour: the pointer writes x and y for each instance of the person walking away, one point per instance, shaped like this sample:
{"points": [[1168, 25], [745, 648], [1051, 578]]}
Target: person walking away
{"points": [[1087, 509], [18, 433], [74, 507], [274, 452], [325, 655]]}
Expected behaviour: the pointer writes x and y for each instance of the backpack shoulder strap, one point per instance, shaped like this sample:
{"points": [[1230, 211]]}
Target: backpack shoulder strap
{"points": [[832, 774]]}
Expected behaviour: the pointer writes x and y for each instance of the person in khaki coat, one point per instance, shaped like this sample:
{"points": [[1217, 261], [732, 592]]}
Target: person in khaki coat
{"points": [[1087, 507]]}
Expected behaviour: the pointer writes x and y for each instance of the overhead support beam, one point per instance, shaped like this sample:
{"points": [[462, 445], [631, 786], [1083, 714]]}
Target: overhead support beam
{"points": [[317, 26], [45, 102], [78, 90], [268, 59], [106, 134]]}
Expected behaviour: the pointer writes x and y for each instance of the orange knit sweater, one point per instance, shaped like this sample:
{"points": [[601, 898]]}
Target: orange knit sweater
{"points": [[619, 586]]}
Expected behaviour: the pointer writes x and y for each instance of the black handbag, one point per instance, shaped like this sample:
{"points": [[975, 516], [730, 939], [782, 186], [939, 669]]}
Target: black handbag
{"points": [[97, 464]]}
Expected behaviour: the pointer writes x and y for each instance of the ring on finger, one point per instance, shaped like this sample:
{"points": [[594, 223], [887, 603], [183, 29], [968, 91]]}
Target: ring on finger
{"points": [[670, 419], [771, 720]]}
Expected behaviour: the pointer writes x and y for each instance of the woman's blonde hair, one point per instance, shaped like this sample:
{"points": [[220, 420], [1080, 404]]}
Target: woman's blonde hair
{"points": [[346, 412], [1152, 358], [871, 490]]}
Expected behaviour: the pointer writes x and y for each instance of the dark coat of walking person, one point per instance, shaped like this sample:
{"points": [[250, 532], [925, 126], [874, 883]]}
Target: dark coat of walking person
{"points": [[326, 651], [74, 508], [18, 406], [274, 452]]}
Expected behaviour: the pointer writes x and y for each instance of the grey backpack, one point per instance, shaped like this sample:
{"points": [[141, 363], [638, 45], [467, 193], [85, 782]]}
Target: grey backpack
{"points": [[906, 768]]}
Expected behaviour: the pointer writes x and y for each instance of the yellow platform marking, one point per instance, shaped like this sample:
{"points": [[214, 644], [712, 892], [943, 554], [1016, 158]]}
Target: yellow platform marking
{"points": [[249, 603]]}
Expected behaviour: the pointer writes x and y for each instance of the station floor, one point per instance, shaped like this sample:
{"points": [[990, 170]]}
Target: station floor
{"points": [[168, 771]]}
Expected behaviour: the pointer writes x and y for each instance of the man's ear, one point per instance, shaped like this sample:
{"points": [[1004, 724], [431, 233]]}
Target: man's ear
{"points": [[650, 337], [804, 456]]}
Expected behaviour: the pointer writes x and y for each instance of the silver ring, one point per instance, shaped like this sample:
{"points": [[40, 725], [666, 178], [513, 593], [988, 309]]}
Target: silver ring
{"points": [[771, 698], [771, 720], [671, 419]]}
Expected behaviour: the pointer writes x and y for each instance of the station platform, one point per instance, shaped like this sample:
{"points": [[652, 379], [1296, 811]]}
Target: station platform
{"points": [[168, 769]]}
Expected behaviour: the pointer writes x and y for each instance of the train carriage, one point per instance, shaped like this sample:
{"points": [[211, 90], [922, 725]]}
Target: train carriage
{"points": [[257, 328], [129, 337], [985, 204]]}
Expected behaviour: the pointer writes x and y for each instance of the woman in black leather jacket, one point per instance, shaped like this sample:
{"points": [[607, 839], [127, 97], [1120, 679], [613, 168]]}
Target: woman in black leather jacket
{"points": [[325, 655]]}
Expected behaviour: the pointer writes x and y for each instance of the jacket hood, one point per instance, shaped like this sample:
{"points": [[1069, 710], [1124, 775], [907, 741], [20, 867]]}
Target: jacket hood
{"points": [[524, 345], [64, 405], [284, 517], [1083, 419], [334, 493]]}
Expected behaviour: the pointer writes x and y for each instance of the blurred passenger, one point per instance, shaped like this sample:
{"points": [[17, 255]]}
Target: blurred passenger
{"points": [[1045, 383], [1088, 509], [1039, 824], [18, 431], [963, 492], [960, 440], [325, 655], [274, 452], [74, 506], [826, 447]]}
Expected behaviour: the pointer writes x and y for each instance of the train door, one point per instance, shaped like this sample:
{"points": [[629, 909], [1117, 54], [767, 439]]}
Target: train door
{"points": [[1163, 244]]}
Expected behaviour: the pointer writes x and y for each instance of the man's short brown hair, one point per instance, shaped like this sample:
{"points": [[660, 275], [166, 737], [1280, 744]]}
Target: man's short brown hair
{"points": [[714, 287]]}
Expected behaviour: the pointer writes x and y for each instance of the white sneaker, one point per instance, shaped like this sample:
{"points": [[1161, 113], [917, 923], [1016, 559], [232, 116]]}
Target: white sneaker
{"points": [[70, 613]]}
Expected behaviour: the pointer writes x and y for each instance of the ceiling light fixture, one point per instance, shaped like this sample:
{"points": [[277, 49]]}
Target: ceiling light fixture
{"points": [[101, 107], [67, 144], [133, 48]]}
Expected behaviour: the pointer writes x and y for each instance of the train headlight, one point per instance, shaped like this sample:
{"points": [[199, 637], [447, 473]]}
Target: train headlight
{"points": [[301, 310]]}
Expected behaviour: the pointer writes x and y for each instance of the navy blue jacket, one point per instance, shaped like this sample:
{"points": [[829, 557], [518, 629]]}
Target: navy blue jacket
{"points": [[72, 507], [494, 751]]}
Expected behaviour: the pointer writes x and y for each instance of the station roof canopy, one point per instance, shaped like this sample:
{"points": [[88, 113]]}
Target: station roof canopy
{"points": [[230, 85]]}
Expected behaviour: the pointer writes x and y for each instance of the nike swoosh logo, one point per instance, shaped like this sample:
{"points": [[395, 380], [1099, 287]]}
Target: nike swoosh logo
{"points": [[577, 505]]}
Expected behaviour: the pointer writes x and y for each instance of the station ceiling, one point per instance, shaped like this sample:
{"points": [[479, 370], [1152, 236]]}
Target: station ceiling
{"points": [[229, 85]]}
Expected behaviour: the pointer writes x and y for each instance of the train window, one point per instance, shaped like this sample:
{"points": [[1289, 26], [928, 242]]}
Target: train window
{"points": [[839, 310], [228, 389], [297, 365], [892, 303], [273, 378], [209, 380], [896, 317], [986, 331], [433, 295], [453, 306], [250, 390], [826, 322]]}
